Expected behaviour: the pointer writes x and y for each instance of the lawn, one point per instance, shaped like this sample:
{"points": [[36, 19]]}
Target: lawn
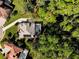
{"points": [[1, 56]]}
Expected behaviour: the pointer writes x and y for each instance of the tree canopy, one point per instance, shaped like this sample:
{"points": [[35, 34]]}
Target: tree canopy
{"points": [[59, 39], [60, 31]]}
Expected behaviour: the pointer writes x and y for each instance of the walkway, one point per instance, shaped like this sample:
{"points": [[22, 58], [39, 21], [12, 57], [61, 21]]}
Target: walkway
{"points": [[2, 30], [13, 23]]}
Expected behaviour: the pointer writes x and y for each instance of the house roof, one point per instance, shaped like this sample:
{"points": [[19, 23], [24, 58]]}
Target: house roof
{"points": [[16, 49], [8, 1], [12, 50], [28, 29], [23, 54], [2, 21], [1, 2], [7, 6], [1, 34], [3, 12]]}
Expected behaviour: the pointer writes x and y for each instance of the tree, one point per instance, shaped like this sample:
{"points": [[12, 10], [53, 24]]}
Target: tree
{"points": [[60, 28]]}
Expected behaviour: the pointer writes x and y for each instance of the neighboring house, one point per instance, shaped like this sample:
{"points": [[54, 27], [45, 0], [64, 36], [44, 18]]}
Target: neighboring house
{"points": [[23, 54], [2, 21], [7, 6], [29, 29], [3, 12], [3, 15], [10, 51]]}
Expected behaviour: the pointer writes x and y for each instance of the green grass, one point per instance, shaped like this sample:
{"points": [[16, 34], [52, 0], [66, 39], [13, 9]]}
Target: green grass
{"points": [[19, 5], [1, 56]]}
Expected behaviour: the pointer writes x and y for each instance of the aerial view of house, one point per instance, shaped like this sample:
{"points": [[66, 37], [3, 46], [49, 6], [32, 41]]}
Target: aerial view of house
{"points": [[29, 29], [39, 29]]}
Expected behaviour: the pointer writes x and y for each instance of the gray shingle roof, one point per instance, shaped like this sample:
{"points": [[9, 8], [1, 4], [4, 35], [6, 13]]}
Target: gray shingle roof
{"points": [[28, 29]]}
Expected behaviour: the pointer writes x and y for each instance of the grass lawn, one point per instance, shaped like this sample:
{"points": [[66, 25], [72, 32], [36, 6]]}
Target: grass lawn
{"points": [[1, 56]]}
